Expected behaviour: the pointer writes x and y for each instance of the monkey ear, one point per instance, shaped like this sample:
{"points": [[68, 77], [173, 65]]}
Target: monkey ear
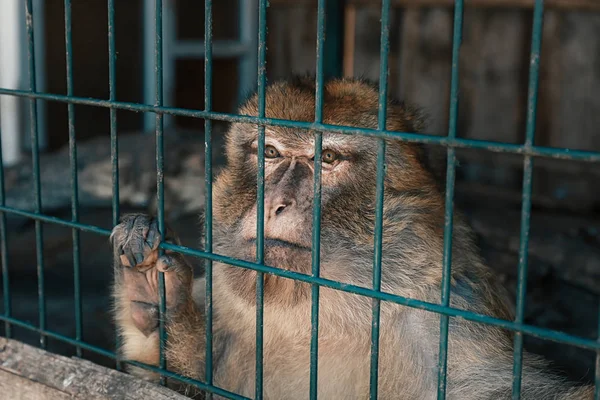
{"points": [[411, 118]]}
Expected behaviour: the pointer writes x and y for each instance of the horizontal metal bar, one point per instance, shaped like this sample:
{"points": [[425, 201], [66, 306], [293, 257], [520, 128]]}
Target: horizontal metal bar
{"points": [[54, 220], [530, 330], [527, 4], [496, 147], [109, 354], [220, 49]]}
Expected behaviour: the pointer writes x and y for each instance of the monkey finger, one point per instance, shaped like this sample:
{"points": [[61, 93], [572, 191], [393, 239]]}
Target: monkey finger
{"points": [[127, 258], [174, 262], [152, 236], [166, 263], [125, 261]]}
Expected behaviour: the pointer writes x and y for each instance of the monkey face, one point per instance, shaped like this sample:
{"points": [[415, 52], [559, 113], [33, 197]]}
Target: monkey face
{"points": [[348, 182]]}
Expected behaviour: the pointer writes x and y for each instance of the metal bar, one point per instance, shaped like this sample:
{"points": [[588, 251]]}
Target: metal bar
{"points": [[4, 252], [534, 78], [208, 212], [449, 200], [220, 49], [380, 190], [112, 82], [86, 346], [412, 137], [260, 194], [316, 217], [54, 220], [557, 4], [74, 183], [114, 141], [37, 189], [160, 187], [542, 333]]}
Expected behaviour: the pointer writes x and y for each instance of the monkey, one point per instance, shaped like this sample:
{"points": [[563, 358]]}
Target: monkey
{"points": [[479, 358]]}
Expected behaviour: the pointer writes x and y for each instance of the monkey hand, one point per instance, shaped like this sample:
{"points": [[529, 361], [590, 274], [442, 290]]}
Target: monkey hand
{"points": [[137, 265]]}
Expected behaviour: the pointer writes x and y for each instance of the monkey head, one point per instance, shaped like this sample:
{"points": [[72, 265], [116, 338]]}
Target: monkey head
{"points": [[349, 172]]}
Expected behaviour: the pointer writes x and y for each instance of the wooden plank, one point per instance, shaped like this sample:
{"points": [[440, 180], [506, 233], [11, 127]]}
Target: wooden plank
{"points": [[17, 387], [27, 372], [561, 4], [349, 40]]}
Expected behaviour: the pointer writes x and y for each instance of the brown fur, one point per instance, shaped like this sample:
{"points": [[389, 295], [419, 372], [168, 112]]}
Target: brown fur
{"points": [[479, 356]]}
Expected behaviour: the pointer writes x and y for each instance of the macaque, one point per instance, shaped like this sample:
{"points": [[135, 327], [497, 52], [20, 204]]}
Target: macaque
{"points": [[480, 357]]}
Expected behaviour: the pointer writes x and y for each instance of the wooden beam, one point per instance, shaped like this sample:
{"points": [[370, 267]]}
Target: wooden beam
{"points": [[561, 4], [349, 40], [30, 373]]}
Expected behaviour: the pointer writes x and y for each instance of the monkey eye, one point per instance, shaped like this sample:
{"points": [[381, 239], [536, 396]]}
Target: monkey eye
{"points": [[271, 152], [329, 156]]}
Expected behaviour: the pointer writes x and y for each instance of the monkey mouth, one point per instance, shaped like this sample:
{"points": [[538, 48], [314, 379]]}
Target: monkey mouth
{"points": [[270, 243]]}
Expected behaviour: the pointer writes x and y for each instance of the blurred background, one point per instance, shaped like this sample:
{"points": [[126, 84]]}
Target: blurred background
{"points": [[564, 251]]}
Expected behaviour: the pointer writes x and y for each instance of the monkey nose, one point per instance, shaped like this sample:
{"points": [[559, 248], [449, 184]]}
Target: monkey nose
{"points": [[275, 207]]}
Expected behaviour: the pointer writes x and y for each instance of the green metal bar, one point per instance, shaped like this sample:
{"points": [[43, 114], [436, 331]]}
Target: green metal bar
{"points": [[37, 188], [316, 217], [114, 141], [208, 213], [86, 346], [542, 333], [74, 183], [380, 190], [411, 137], [334, 38], [160, 187], [449, 200], [112, 82], [534, 78], [54, 220], [260, 194], [4, 252]]}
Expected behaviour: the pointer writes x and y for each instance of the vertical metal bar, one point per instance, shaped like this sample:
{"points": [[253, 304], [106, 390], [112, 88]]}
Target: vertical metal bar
{"points": [[37, 189], [449, 200], [378, 234], [316, 229], [534, 77], [112, 82], [160, 198], [114, 142], [4, 252], [208, 220], [74, 183], [260, 194], [334, 38]]}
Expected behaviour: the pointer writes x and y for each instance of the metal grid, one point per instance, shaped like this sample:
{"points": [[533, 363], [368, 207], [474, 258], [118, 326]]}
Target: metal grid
{"points": [[451, 142]]}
